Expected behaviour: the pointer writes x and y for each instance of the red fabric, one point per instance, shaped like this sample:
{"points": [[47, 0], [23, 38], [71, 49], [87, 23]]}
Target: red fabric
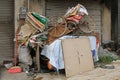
{"points": [[15, 70], [75, 18]]}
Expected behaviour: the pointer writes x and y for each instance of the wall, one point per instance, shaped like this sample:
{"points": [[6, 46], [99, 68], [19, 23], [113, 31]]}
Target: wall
{"points": [[106, 24], [37, 6], [34, 5], [18, 4]]}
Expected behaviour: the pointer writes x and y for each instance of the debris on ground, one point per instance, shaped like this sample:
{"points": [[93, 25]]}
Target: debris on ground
{"points": [[8, 64]]}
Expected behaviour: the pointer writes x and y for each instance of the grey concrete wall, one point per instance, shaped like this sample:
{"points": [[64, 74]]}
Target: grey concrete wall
{"points": [[106, 24], [34, 5], [37, 6], [17, 5]]}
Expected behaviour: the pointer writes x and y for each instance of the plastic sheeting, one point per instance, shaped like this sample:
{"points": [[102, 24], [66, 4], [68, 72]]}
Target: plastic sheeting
{"points": [[54, 51]]}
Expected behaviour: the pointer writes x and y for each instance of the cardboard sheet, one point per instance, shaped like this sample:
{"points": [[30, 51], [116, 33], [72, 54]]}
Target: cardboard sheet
{"points": [[77, 56], [26, 30]]}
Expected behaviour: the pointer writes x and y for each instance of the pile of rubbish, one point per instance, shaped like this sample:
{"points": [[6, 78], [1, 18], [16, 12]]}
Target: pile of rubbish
{"points": [[35, 33]]}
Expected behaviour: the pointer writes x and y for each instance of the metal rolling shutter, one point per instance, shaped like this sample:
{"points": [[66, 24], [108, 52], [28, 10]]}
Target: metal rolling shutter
{"points": [[118, 23], [115, 17], [6, 28], [58, 8]]}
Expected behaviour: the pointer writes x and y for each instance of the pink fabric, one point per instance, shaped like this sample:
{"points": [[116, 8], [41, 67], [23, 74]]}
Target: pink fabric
{"points": [[15, 70]]}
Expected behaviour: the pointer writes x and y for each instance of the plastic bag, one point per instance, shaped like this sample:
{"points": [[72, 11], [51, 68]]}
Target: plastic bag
{"points": [[41, 18], [24, 55]]}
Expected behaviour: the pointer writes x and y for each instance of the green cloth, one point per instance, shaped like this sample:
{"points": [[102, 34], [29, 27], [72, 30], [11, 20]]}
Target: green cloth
{"points": [[42, 19]]}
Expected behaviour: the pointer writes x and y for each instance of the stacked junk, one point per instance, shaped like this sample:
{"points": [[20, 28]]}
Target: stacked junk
{"points": [[69, 44]]}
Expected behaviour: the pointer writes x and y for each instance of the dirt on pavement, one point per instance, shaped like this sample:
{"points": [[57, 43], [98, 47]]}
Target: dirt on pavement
{"points": [[96, 74]]}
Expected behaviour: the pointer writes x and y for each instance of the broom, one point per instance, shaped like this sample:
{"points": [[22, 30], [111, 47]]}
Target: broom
{"points": [[15, 69]]}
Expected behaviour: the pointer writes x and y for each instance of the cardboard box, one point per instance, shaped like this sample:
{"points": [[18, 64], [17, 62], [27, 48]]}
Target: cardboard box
{"points": [[77, 56]]}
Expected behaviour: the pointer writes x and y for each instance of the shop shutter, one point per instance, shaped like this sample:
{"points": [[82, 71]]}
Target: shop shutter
{"points": [[6, 28], [118, 21]]}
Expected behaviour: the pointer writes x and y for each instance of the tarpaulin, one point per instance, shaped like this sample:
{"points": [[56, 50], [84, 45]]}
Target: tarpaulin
{"points": [[54, 51]]}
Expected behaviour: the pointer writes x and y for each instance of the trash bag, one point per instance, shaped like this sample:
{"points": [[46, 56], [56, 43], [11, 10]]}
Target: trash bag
{"points": [[24, 55], [75, 10]]}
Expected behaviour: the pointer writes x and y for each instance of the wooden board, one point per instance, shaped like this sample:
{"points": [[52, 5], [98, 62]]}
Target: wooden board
{"points": [[77, 56], [38, 58]]}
